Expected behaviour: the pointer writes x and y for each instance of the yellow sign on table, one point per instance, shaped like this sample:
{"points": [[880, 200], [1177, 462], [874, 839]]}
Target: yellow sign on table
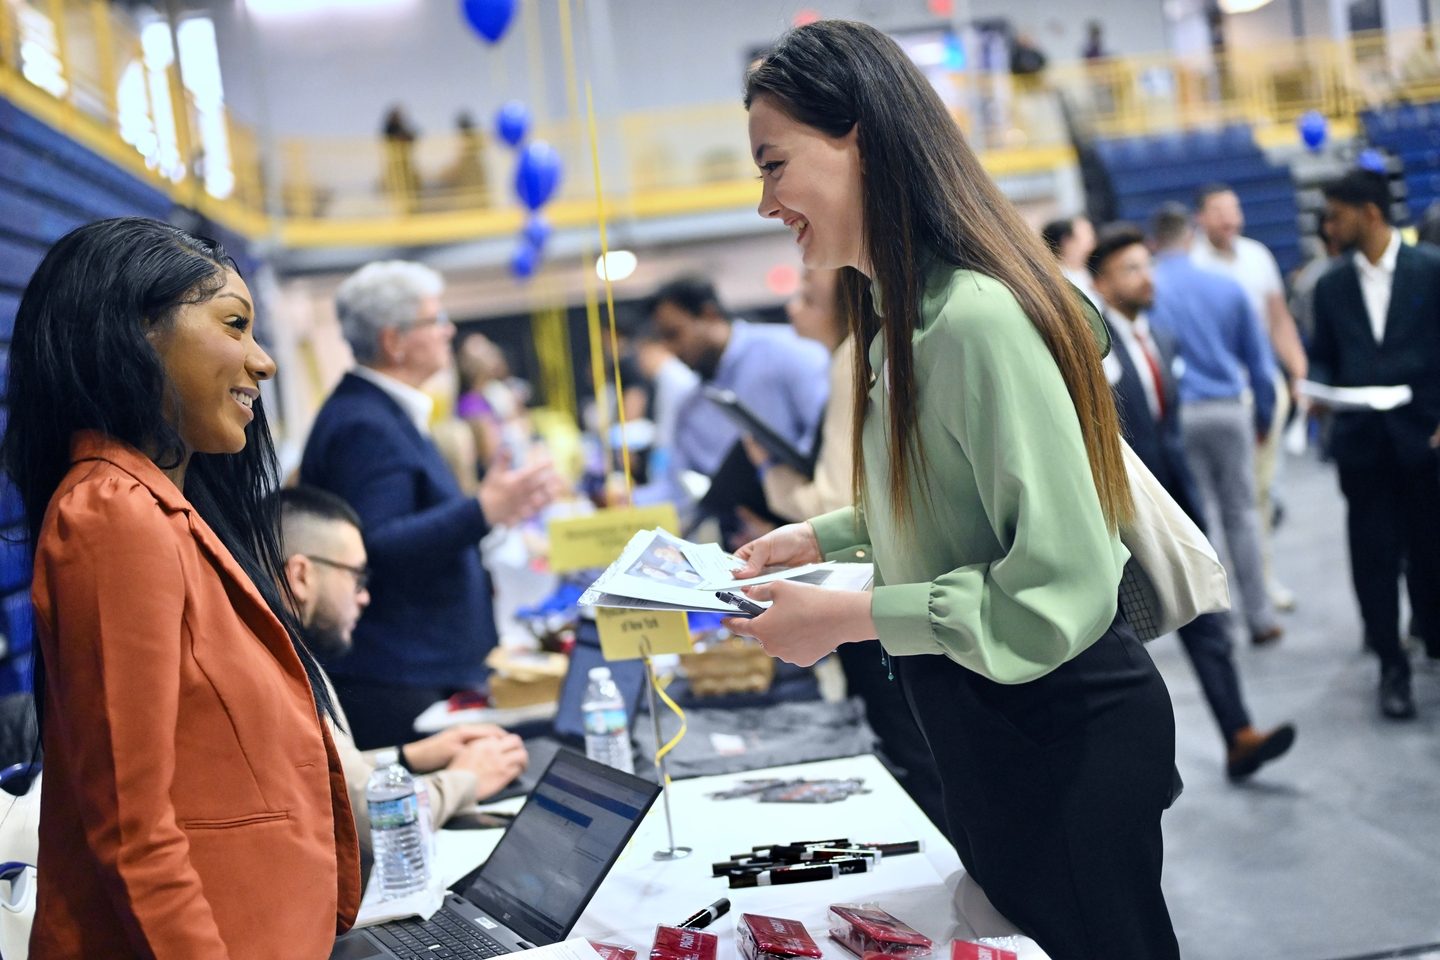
{"points": [[585, 543], [631, 634]]}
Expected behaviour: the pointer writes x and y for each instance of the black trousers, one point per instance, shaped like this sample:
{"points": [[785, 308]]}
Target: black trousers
{"points": [[1054, 791], [1393, 522], [1207, 644], [383, 714], [902, 747]]}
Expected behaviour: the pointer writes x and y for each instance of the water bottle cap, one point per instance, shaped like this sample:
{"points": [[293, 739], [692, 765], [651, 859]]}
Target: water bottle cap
{"points": [[599, 673], [387, 757]]}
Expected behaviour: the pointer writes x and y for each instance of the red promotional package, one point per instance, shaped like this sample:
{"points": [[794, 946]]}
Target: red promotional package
{"points": [[866, 929], [966, 950], [614, 951], [678, 943], [771, 938]]}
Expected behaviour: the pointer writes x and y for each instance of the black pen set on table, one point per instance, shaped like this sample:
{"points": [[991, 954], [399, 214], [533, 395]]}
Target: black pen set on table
{"points": [[805, 861]]}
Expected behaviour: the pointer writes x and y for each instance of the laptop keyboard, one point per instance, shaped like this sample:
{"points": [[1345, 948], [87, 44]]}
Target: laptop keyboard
{"points": [[443, 935]]}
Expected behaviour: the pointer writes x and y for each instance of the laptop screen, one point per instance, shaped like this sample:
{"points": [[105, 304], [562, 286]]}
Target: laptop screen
{"points": [[560, 846]]}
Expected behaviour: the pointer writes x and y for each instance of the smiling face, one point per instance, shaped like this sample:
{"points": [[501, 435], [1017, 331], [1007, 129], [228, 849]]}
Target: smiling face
{"points": [[214, 366], [812, 183]]}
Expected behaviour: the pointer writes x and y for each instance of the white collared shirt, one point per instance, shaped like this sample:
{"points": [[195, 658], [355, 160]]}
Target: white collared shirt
{"points": [[417, 404], [1127, 329], [1376, 280]]}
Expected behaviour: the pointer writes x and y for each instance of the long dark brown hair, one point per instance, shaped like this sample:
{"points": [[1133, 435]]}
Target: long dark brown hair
{"points": [[81, 360], [926, 195]]}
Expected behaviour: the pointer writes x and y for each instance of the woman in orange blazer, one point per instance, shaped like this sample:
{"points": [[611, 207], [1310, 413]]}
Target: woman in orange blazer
{"points": [[194, 806]]}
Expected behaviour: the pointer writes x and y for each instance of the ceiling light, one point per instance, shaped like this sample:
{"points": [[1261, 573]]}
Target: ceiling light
{"points": [[619, 264], [1241, 6]]}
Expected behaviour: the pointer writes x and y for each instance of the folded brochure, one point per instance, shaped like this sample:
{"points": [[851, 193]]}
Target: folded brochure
{"points": [[659, 571]]}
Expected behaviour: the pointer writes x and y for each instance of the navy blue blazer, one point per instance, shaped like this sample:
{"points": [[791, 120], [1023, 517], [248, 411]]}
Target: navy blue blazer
{"points": [[430, 621], [1344, 353], [1158, 444]]}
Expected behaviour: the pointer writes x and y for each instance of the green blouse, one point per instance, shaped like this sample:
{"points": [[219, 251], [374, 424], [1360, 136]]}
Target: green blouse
{"points": [[1008, 567]]}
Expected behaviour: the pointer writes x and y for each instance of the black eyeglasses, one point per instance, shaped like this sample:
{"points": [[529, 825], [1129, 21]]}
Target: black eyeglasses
{"points": [[361, 574]]}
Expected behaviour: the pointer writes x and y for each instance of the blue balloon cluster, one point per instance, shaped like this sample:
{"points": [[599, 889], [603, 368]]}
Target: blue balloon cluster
{"points": [[537, 176], [1314, 128], [489, 18]]}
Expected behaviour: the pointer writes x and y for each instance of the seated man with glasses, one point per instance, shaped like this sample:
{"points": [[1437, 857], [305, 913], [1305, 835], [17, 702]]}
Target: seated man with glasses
{"points": [[325, 570]]}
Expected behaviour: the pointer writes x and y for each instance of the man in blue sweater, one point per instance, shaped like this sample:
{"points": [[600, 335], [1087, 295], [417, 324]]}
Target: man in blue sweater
{"points": [[430, 622], [1223, 347]]}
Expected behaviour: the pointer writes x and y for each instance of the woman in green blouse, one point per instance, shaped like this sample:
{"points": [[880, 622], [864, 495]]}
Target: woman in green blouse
{"points": [[988, 469]]}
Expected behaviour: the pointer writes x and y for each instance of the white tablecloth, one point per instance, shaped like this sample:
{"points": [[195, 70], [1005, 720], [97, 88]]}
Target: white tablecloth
{"points": [[928, 890]]}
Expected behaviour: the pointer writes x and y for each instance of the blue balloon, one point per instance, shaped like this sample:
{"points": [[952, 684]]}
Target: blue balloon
{"points": [[537, 175], [536, 231], [1372, 160], [1314, 128], [513, 122], [524, 261], [490, 18]]}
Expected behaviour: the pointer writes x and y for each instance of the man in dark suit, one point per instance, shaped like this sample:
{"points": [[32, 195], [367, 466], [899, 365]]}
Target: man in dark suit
{"points": [[1377, 323], [1140, 368], [430, 622]]}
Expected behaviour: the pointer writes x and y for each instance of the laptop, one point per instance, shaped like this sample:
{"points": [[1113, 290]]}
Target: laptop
{"points": [[540, 877]]}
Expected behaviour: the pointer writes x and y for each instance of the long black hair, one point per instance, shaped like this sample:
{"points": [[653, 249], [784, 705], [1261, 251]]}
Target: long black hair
{"points": [[80, 360], [926, 195]]}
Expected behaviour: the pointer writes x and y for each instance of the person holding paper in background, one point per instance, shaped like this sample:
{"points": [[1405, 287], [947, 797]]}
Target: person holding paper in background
{"points": [[990, 486], [1377, 323]]}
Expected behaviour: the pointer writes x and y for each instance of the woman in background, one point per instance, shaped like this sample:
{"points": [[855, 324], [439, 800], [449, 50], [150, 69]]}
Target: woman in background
{"points": [[989, 489], [194, 805]]}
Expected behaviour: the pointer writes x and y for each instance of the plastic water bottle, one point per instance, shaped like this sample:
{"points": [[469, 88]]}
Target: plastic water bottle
{"points": [[607, 732], [396, 833]]}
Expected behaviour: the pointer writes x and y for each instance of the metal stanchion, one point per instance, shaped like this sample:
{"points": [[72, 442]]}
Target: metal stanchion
{"points": [[672, 852]]}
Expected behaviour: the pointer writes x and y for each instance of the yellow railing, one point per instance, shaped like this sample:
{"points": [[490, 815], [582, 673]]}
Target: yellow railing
{"points": [[81, 65]]}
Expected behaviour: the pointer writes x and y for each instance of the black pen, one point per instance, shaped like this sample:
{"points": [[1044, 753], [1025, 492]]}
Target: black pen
{"points": [[747, 606], [701, 919], [778, 875]]}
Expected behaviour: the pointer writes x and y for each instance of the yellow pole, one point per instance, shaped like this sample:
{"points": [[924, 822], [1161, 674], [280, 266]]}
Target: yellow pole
{"points": [[587, 267], [609, 289]]}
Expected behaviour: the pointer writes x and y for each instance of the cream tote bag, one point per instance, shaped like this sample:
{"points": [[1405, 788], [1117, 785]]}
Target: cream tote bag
{"points": [[1173, 575]]}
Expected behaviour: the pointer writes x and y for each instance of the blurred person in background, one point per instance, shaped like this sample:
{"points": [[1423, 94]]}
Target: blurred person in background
{"points": [[397, 136], [1222, 347], [793, 496], [430, 622], [465, 177], [1071, 239], [768, 366], [671, 381], [990, 487], [1221, 247], [1151, 401], [484, 403], [192, 787], [1323, 251], [1375, 326], [327, 573]]}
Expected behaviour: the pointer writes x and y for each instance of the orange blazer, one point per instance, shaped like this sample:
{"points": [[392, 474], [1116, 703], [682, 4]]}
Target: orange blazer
{"points": [[194, 807]]}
